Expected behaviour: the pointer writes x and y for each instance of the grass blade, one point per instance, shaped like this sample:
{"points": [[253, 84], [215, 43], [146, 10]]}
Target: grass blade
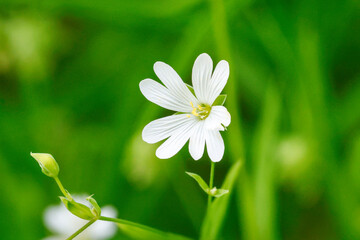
{"points": [[139, 231]]}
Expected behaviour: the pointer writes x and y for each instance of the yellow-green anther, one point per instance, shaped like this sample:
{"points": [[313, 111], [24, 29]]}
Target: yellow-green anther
{"points": [[47, 163], [202, 111]]}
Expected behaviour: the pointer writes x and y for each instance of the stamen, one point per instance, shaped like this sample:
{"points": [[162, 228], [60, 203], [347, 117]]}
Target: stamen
{"points": [[201, 111], [194, 112]]}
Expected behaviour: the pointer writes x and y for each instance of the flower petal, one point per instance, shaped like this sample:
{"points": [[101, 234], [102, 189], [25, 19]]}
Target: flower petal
{"points": [[201, 75], [173, 82], [218, 81], [160, 95], [197, 141], [162, 128], [218, 116], [214, 145], [177, 140], [60, 221]]}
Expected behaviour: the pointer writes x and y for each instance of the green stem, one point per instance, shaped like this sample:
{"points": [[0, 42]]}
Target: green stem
{"points": [[62, 189], [82, 229], [211, 183]]}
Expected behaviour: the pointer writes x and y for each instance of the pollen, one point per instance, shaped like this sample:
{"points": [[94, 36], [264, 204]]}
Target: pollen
{"points": [[202, 110]]}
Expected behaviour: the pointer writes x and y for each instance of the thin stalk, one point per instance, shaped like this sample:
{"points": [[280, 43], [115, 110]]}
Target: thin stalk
{"points": [[62, 189], [211, 183], [82, 229]]}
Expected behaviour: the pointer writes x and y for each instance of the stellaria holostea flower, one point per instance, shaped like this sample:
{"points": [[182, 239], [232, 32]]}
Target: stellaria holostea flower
{"points": [[198, 119], [62, 223]]}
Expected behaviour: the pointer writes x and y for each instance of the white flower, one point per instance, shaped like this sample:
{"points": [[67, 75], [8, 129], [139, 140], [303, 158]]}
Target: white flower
{"points": [[63, 224], [198, 120]]}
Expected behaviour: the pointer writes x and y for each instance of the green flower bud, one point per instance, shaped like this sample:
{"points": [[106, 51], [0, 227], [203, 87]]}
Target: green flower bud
{"points": [[96, 210], [47, 163], [78, 209]]}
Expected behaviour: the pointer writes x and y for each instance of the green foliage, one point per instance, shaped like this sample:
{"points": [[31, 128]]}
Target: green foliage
{"points": [[218, 192], [214, 192], [144, 233], [220, 100], [200, 181]]}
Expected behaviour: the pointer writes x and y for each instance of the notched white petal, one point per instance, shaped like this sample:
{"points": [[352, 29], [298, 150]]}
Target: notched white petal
{"points": [[174, 83], [214, 145], [177, 140], [219, 117], [160, 95], [162, 128], [201, 75], [218, 80], [197, 141]]}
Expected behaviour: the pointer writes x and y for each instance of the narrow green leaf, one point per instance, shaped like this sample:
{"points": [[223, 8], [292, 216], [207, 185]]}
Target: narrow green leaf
{"points": [[220, 100], [200, 181], [220, 192], [145, 234], [142, 232], [214, 218]]}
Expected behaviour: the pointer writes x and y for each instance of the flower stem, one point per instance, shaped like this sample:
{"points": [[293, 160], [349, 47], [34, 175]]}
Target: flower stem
{"points": [[82, 229], [62, 189], [211, 183]]}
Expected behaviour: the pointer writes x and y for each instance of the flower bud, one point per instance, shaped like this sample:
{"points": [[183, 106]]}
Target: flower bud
{"points": [[78, 209], [213, 191], [217, 192], [47, 163]]}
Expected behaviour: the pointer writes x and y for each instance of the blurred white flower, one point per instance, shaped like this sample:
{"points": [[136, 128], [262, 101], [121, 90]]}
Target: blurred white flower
{"points": [[198, 120], [63, 224]]}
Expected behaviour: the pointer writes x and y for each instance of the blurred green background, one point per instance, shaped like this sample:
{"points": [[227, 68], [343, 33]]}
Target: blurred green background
{"points": [[69, 76]]}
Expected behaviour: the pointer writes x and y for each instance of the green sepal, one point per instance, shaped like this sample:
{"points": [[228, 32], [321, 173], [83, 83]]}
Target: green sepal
{"points": [[200, 181], [96, 210], [78, 209], [220, 100]]}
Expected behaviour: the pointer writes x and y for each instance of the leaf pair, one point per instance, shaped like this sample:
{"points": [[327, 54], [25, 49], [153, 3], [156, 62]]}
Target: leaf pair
{"points": [[214, 192]]}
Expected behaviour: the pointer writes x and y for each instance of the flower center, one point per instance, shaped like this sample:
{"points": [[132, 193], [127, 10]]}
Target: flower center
{"points": [[202, 110]]}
